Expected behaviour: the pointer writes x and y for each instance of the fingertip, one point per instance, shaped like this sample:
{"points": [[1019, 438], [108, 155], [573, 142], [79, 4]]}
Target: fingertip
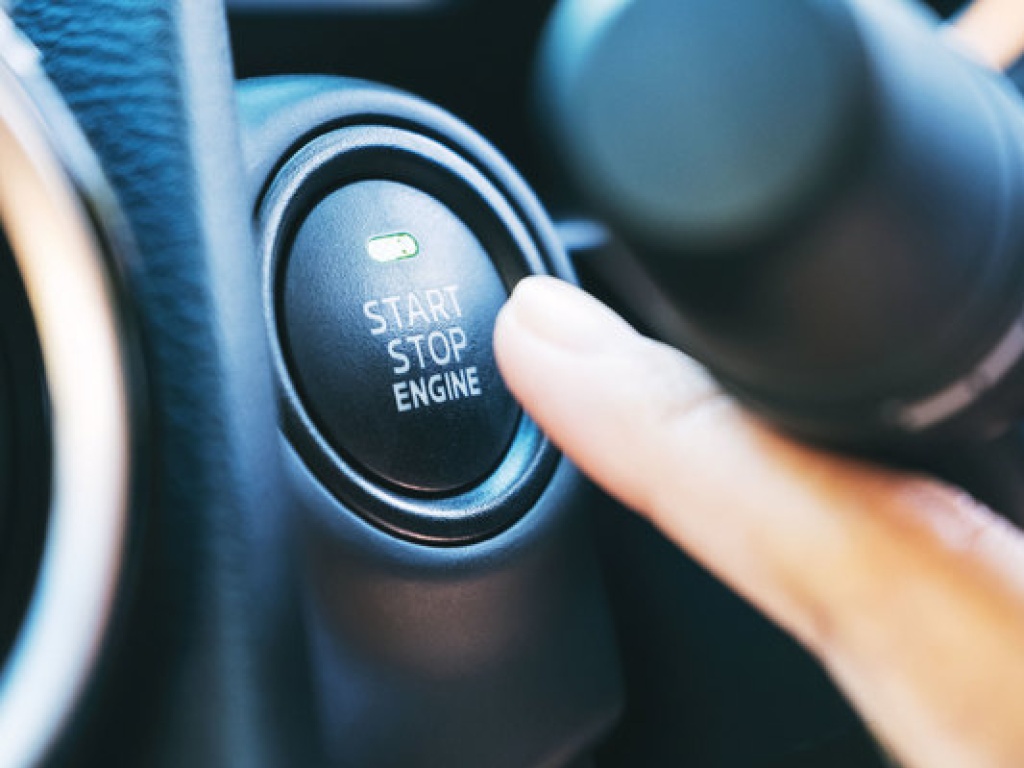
{"points": [[559, 314]]}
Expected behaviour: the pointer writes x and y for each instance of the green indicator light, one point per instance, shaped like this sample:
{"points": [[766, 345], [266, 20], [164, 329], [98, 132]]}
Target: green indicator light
{"points": [[397, 247]]}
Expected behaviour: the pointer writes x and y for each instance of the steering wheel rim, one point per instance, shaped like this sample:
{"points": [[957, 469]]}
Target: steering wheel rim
{"points": [[190, 458], [78, 572]]}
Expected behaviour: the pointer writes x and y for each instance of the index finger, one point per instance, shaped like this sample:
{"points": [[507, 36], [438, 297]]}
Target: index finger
{"points": [[993, 30], [911, 593]]}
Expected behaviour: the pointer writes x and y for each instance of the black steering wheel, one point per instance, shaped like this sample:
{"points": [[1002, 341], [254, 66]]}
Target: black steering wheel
{"points": [[120, 178]]}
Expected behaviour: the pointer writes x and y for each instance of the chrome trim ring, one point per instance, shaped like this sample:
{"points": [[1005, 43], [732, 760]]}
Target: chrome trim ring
{"points": [[49, 183]]}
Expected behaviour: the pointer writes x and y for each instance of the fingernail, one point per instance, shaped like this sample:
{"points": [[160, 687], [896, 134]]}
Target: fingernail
{"points": [[563, 315]]}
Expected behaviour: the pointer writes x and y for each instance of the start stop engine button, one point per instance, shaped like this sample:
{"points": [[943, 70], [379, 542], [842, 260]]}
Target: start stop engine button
{"points": [[389, 304]]}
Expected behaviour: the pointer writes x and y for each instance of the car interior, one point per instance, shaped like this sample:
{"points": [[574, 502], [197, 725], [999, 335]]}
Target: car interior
{"points": [[264, 498]]}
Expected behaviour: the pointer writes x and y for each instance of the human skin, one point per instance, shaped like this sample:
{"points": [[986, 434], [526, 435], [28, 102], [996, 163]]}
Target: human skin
{"points": [[993, 30], [909, 592]]}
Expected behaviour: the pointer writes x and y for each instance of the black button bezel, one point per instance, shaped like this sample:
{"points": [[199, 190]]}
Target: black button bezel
{"points": [[354, 153]]}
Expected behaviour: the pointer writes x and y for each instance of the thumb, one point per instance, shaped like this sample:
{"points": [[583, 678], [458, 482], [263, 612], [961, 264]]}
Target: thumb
{"points": [[910, 593]]}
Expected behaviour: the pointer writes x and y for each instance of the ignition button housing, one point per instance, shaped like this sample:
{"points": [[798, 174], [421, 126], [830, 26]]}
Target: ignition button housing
{"points": [[389, 303], [390, 236]]}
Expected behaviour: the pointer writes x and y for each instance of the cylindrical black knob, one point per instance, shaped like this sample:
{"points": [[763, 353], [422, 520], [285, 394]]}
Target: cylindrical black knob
{"points": [[832, 196]]}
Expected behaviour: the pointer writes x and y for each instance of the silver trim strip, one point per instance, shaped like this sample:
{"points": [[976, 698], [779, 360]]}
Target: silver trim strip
{"points": [[67, 279], [963, 393]]}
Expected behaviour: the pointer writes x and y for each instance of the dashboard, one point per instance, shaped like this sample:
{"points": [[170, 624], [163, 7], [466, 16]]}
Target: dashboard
{"points": [[264, 498], [708, 682]]}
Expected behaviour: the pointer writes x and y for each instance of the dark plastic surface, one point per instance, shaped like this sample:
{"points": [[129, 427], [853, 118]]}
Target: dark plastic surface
{"points": [[329, 6], [499, 654], [710, 682], [6, 431], [25, 463], [472, 58], [839, 196], [947, 7], [394, 359], [495, 649], [306, 138], [150, 82], [710, 685], [691, 123], [1016, 74]]}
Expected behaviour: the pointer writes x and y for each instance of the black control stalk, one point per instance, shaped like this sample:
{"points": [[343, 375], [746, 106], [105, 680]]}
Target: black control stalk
{"points": [[830, 194]]}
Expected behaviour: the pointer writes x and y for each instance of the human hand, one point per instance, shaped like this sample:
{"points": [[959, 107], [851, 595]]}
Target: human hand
{"points": [[992, 30], [909, 592]]}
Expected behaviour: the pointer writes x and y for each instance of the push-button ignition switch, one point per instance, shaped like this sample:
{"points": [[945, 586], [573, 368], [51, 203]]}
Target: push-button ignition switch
{"points": [[420, 353], [389, 305]]}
